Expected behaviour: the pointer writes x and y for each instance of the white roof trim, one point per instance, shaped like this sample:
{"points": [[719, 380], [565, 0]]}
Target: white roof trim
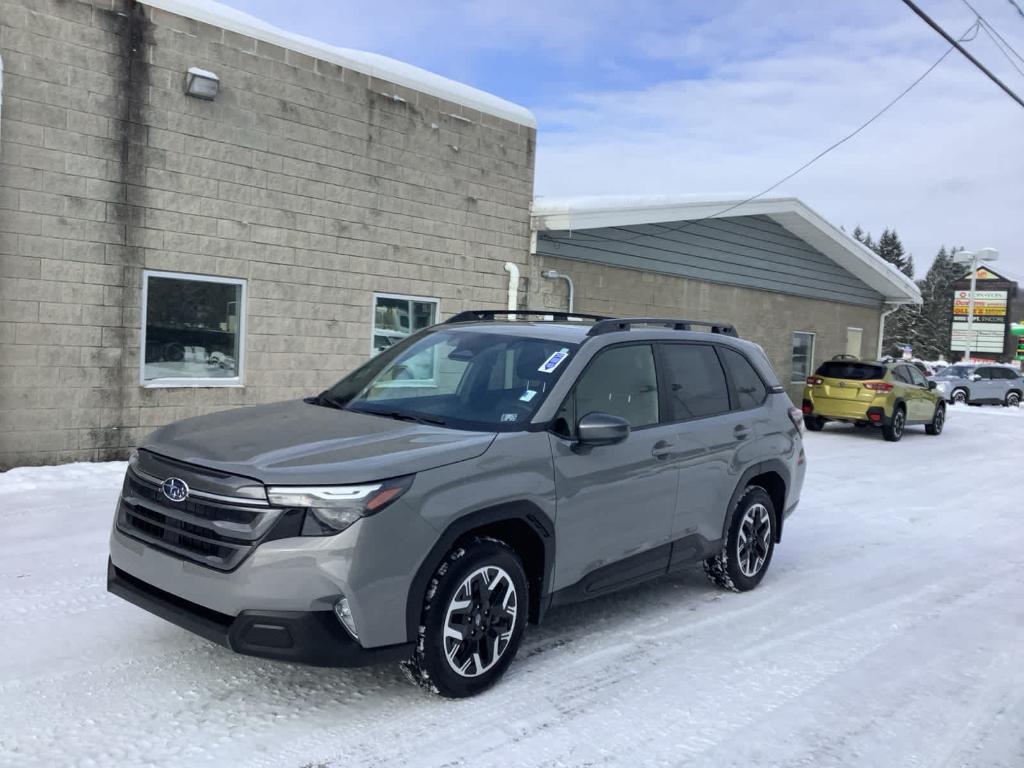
{"points": [[373, 64], [788, 212]]}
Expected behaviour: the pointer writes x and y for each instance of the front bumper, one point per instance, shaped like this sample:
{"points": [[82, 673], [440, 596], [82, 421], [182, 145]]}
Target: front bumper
{"points": [[307, 637]]}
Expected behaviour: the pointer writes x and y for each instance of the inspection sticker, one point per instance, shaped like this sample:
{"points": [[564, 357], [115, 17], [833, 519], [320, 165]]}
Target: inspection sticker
{"points": [[554, 361], [528, 395], [505, 417]]}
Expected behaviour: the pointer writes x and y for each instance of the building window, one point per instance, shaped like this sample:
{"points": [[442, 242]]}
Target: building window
{"points": [[193, 330], [395, 318], [803, 356]]}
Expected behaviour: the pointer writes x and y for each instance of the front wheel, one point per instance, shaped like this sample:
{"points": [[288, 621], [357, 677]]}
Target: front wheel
{"points": [[473, 619], [748, 549], [938, 421], [893, 431], [958, 396], [1012, 399]]}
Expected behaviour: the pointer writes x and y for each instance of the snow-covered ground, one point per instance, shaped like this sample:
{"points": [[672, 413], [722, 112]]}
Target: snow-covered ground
{"points": [[889, 632]]}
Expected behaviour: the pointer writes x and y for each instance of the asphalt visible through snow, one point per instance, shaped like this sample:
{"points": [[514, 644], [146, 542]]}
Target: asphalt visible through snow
{"points": [[889, 632]]}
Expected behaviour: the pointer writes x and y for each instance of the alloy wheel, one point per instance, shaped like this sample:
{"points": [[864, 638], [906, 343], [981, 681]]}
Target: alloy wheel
{"points": [[1013, 400], [898, 421], [480, 621], [960, 397], [754, 540], [940, 419]]}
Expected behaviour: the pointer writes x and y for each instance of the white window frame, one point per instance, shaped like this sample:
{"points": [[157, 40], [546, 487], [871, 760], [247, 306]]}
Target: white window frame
{"points": [[232, 381], [431, 382], [793, 379]]}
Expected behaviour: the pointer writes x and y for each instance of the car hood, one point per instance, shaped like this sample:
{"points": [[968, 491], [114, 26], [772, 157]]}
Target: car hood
{"points": [[296, 443]]}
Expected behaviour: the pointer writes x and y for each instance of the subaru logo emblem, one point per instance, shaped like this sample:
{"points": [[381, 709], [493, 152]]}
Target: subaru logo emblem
{"points": [[175, 489]]}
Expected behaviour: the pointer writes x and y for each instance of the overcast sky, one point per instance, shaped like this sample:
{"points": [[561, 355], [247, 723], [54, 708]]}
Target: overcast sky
{"points": [[725, 98]]}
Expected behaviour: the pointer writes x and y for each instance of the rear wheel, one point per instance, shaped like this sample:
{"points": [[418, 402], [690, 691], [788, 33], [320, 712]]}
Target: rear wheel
{"points": [[893, 431], [1012, 399], [748, 549], [959, 396], [473, 620], [814, 423], [938, 421]]}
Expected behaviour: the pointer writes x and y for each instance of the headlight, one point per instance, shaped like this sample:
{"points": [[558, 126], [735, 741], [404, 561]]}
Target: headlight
{"points": [[335, 507]]}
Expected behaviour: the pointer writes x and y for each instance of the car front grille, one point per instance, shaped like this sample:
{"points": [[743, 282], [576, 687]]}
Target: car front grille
{"points": [[217, 533]]}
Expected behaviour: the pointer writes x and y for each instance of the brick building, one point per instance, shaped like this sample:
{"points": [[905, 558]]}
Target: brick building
{"points": [[199, 211], [164, 255], [789, 280]]}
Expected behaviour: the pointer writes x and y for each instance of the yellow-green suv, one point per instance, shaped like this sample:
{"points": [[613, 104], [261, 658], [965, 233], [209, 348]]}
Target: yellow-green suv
{"points": [[867, 393]]}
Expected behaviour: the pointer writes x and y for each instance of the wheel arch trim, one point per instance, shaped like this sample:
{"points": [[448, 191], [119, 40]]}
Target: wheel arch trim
{"points": [[776, 466], [523, 512]]}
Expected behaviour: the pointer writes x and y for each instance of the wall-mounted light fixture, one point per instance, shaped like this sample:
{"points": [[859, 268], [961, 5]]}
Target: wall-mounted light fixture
{"points": [[201, 83]]}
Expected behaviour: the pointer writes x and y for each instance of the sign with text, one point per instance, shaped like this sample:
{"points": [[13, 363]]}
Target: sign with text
{"points": [[989, 334]]}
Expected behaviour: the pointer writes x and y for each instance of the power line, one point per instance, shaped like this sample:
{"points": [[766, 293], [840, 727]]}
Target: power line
{"points": [[931, 23], [994, 34], [1019, 9], [995, 41], [966, 36]]}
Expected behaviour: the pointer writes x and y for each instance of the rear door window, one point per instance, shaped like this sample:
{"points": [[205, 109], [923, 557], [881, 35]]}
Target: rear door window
{"points": [[902, 374], [750, 391], [695, 380], [844, 369]]}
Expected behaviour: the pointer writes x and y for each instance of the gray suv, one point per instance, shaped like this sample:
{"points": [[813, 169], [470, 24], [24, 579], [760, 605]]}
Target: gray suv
{"points": [[980, 384], [457, 486]]}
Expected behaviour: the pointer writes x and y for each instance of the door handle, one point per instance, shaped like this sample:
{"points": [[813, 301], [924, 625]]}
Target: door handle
{"points": [[662, 449], [741, 432]]}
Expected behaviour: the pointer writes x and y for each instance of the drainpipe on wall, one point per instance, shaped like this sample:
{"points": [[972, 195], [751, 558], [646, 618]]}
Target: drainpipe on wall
{"points": [[881, 326], [513, 285], [552, 274]]}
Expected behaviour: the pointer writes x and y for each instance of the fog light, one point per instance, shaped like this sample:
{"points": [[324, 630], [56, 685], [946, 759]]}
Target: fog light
{"points": [[344, 614]]}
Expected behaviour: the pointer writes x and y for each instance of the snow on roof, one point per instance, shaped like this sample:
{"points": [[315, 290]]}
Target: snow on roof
{"points": [[373, 64], [590, 212]]}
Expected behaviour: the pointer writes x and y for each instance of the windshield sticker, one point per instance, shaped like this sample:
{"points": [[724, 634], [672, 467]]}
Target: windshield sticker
{"points": [[554, 361], [509, 417], [528, 395]]}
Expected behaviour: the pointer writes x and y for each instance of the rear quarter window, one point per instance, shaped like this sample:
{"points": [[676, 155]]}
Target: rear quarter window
{"points": [[842, 369], [749, 389]]}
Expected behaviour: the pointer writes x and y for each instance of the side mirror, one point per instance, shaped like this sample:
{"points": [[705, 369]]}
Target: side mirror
{"points": [[974, 377], [932, 385], [601, 429]]}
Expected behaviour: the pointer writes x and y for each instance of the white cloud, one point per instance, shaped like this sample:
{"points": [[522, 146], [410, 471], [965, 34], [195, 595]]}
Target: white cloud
{"points": [[945, 164]]}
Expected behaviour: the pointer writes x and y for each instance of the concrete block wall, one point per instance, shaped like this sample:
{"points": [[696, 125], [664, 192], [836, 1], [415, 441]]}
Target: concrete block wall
{"points": [[767, 318], [312, 182]]}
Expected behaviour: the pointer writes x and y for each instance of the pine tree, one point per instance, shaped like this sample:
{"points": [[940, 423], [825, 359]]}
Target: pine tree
{"points": [[936, 316], [891, 249]]}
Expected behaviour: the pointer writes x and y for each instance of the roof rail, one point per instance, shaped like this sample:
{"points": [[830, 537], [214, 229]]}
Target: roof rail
{"points": [[614, 324], [476, 315]]}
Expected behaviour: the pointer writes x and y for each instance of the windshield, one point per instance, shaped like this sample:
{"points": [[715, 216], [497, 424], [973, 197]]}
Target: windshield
{"points": [[466, 379]]}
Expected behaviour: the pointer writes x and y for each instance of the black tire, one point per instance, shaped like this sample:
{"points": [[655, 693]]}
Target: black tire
{"points": [[893, 431], [483, 621], [959, 395], [938, 420], [732, 568], [814, 423], [1012, 399]]}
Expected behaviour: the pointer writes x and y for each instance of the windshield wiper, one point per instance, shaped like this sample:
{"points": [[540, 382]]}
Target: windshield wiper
{"points": [[325, 399], [402, 416]]}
